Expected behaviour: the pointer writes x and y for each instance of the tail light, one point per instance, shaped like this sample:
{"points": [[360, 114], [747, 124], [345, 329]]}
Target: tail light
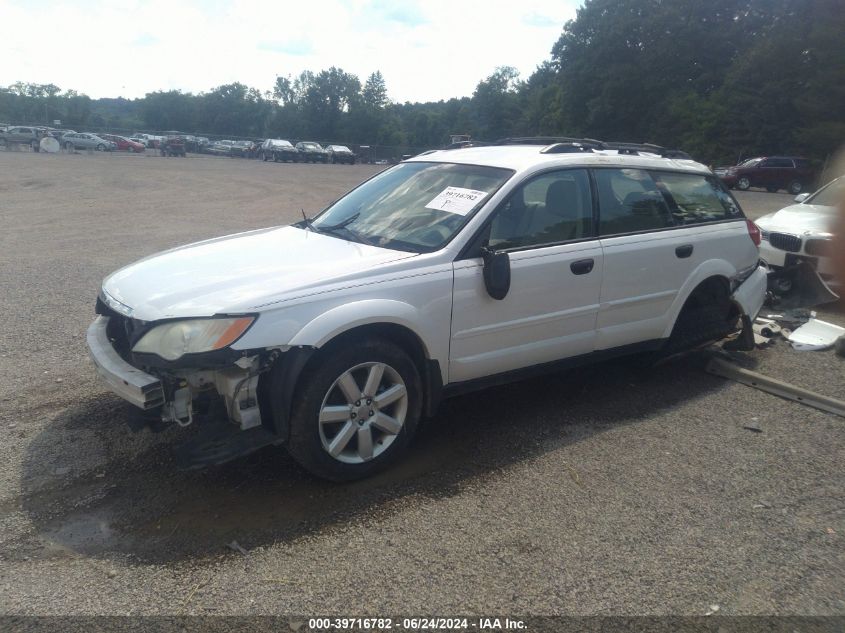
{"points": [[753, 232]]}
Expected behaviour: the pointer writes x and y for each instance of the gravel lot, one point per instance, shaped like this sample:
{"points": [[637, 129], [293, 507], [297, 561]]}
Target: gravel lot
{"points": [[607, 490]]}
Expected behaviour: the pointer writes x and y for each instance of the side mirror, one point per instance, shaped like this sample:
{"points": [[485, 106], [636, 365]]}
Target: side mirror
{"points": [[497, 272], [801, 197]]}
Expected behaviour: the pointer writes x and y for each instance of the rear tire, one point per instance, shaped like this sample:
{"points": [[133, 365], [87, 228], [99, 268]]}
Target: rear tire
{"points": [[333, 437], [700, 324], [795, 187]]}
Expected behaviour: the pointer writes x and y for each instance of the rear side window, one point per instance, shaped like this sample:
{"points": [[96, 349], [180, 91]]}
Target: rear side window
{"points": [[630, 201], [693, 199], [778, 162]]}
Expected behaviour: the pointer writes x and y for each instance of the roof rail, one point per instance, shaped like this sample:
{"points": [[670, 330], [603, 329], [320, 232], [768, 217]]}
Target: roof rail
{"points": [[569, 144], [566, 148], [546, 140], [649, 148]]}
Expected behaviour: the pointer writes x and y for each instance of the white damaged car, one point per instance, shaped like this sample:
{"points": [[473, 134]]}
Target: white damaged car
{"points": [[454, 270], [802, 232]]}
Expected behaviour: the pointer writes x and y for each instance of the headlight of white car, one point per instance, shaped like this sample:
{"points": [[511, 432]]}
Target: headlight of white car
{"points": [[191, 336]]}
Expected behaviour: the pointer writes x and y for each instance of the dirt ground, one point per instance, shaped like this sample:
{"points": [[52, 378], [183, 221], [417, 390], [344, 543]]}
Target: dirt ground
{"points": [[606, 490]]}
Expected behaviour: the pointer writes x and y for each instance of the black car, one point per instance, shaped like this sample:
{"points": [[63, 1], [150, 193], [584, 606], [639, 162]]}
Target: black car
{"points": [[340, 154], [311, 152], [278, 150]]}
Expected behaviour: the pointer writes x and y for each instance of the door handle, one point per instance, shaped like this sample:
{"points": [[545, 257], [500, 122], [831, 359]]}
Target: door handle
{"points": [[582, 266], [684, 251]]}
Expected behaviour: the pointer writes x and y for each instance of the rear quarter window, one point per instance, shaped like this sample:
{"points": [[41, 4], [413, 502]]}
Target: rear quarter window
{"points": [[693, 198]]}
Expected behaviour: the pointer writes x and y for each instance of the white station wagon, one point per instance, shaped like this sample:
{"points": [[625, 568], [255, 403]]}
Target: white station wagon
{"points": [[452, 270]]}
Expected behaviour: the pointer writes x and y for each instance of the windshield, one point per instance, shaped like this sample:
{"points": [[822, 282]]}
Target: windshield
{"points": [[341, 148], [750, 163], [310, 146], [414, 206], [830, 194]]}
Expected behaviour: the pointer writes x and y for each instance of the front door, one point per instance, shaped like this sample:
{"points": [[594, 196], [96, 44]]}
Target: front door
{"points": [[550, 311]]}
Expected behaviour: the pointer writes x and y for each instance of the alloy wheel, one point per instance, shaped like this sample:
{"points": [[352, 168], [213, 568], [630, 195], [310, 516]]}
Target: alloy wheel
{"points": [[363, 412]]}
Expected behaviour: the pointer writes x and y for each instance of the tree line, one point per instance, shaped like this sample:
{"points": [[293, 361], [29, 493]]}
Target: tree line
{"points": [[718, 78]]}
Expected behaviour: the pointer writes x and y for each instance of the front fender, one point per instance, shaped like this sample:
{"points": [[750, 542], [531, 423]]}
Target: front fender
{"points": [[345, 317]]}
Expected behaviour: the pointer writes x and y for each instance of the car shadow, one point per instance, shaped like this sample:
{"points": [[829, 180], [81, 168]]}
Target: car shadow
{"points": [[124, 498]]}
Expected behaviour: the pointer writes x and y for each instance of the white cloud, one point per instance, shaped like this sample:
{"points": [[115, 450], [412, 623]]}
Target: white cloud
{"points": [[430, 50]]}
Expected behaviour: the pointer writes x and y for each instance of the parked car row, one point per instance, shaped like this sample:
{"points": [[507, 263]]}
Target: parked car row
{"points": [[282, 151], [277, 150], [68, 139]]}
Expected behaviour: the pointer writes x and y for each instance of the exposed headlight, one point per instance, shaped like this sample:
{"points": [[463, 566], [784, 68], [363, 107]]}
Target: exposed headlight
{"points": [[191, 336]]}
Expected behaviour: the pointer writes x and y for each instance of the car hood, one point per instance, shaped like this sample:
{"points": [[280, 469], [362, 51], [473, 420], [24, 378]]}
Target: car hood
{"points": [[800, 219], [239, 273]]}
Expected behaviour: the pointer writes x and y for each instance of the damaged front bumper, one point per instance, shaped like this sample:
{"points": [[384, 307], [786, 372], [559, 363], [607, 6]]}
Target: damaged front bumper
{"points": [[175, 391], [131, 384]]}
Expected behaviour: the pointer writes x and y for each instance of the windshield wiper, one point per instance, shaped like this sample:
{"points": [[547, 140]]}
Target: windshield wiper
{"points": [[340, 225], [343, 225]]}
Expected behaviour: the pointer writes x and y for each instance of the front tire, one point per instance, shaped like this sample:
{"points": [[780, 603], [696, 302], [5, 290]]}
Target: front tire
{"points": [[101, 148], [356, 409], [743, 184]]}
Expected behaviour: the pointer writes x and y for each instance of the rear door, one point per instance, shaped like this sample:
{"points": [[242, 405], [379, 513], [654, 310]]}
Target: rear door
{"points": [[656, 235], [549, 313], [647, 258]]}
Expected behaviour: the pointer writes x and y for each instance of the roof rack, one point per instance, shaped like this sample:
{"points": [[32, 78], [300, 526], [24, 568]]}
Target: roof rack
{"points": [[568, 144], [546, 140]]}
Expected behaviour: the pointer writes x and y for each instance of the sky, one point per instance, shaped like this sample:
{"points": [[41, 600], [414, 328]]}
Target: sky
{"points": [[427, 50]]}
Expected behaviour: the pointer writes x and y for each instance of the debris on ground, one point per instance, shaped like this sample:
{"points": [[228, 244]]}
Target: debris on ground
{"points": [[815, 335], [726, 369], [236, 547], [713, 608]]}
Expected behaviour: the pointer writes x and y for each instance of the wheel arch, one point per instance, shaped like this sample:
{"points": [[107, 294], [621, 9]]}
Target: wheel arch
{"points": [[392, 322], [350, 316], [711, 276]]}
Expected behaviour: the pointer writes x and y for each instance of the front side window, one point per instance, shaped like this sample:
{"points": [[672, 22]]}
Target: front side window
{"points": [[550, 208], [414, 206], [630, 201]]}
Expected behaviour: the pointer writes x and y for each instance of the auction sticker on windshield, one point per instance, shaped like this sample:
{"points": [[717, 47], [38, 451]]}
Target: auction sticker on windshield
{"points": [[456, 200]]}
